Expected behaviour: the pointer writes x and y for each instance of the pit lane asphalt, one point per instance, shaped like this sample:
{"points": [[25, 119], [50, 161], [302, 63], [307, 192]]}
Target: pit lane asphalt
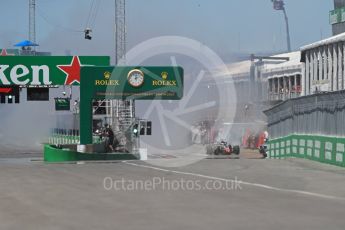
{"points": [[284, 194]]}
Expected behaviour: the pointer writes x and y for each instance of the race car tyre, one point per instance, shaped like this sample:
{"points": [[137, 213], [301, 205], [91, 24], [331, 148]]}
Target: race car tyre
{"points": [[236, 150]]}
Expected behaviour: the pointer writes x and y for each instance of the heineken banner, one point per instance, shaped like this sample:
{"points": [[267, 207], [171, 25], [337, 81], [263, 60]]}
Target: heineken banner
{"points": [[47, 70]]}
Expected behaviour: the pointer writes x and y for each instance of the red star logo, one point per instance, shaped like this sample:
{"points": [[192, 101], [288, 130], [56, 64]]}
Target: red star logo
{"points": [[72, 71]]}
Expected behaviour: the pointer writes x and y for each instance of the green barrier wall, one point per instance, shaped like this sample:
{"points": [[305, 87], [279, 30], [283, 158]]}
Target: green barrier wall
{"points": [[325, 149], [52, 154]]}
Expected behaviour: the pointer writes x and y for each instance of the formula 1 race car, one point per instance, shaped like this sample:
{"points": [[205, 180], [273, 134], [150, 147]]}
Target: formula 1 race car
{"points": [[222, 148]]}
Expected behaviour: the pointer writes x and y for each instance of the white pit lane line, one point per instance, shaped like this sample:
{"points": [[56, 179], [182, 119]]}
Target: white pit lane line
{"points": [[301, 192]]}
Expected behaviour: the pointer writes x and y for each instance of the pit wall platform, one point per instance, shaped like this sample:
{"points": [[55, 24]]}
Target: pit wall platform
{"points": [[324, 149], [53, 154]]}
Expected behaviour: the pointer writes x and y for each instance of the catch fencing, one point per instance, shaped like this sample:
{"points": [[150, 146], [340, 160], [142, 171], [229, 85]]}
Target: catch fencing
{"points": [[318, 114]]}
